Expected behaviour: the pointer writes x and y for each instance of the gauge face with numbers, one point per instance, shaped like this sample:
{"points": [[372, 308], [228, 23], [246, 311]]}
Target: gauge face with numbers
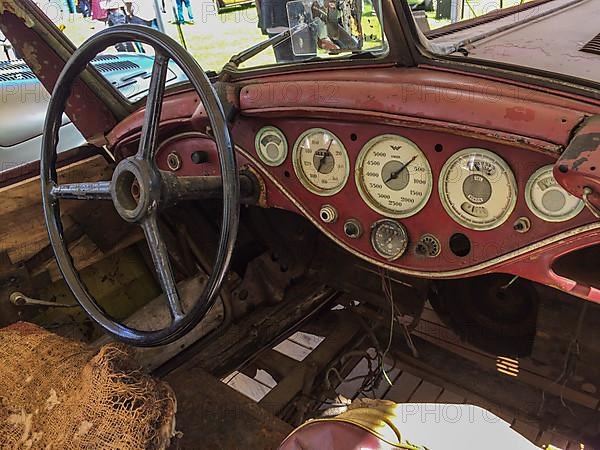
{"points": [[477, 189], [389, 238], [321, 161], [548, 200], [393, 176]]}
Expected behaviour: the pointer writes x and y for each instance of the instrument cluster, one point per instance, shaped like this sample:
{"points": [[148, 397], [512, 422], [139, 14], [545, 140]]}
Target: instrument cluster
{"points": [[413, 181]]}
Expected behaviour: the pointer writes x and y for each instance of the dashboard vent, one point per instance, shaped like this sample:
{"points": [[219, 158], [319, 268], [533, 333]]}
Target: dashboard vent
{"points": [[106, 58], [17, 76], [115, 66], [11, 65], [593, 46]]}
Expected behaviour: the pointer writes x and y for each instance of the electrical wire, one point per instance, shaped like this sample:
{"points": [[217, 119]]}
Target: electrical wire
{"points": [[386, 286]]}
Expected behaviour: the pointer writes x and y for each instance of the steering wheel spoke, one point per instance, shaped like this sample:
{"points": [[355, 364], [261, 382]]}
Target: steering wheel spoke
{"points": [[156, 93], [162, 265], [99, 190]]}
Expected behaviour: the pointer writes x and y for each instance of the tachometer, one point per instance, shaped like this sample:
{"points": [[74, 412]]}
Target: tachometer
{"points": [[548, 200], [393, 176], [477, 189], [321, 161]]}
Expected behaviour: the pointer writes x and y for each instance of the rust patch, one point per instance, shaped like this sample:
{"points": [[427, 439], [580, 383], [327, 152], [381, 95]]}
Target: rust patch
{"points": [[16, 9], [520, 114], [578, 162], [30, 54]]}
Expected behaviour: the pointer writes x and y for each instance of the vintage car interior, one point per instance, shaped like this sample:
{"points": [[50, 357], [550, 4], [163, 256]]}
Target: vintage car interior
{"points": [[454, 167]]}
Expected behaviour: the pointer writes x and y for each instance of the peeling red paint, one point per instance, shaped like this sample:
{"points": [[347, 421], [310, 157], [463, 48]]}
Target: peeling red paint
{"points": [[520, 114]]}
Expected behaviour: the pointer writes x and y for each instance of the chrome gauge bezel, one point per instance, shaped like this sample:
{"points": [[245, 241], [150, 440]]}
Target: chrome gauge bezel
{"points": [[264, 158], [375, 226], [301, 175], [368, 198], [503, 166], [534, 209]]}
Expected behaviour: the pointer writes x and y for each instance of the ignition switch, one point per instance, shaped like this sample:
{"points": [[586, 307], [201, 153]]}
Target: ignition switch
{"points": [[328, 214]]}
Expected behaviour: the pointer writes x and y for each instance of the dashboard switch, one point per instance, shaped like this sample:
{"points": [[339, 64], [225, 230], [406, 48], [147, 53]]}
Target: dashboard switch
{"points": [[428, 246], [353, 229], [328, 214], [174, 161]]}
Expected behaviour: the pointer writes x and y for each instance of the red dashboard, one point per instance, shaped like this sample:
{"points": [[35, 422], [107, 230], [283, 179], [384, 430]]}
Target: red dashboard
{"points": [[526, 133]]}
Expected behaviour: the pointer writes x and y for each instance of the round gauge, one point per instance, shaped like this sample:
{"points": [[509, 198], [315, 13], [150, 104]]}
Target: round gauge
{"points": [[548, 200], [321, 161], [271, 146], [393, 176], [389, 238], [477, 189]]}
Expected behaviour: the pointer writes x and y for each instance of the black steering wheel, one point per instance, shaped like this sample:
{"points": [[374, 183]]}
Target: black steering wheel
{"points": [[138, 189]]}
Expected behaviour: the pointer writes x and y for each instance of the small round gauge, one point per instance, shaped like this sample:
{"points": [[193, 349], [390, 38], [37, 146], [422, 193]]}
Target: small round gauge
{"points": [[271, 146], [321, 162], [478, 189], [389, 238], [549, 200], [393, 176]]}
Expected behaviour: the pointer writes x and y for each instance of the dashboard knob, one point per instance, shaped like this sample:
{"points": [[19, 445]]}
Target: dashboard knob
{"points": [[328, 214]]}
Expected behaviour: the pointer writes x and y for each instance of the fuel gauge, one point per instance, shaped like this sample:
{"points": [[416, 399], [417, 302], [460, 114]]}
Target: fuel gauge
{"points": [[548, 200], [271, 146]]}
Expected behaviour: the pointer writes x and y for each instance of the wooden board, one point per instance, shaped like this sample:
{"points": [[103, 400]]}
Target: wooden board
{"points": [[22, 227], [212, 415]]}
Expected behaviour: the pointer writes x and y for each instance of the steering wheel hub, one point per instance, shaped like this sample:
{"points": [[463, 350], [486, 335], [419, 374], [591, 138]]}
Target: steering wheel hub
{"points": [[135, 189]]}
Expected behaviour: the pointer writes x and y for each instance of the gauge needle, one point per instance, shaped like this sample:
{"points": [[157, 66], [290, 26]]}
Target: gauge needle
{"points": [[396, 173], [322, 160]]}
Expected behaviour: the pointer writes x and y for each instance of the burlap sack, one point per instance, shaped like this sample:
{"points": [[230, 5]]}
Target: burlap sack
{"points": [[59, 394]]}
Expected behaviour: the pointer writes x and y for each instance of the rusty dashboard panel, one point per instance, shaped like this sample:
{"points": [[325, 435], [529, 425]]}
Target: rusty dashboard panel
{"points": [[578, 168]]}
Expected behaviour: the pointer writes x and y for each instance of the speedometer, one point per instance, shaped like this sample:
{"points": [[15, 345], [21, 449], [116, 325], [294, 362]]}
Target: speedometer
{"points": [[393, 176], [321, 161], [477, 189]]}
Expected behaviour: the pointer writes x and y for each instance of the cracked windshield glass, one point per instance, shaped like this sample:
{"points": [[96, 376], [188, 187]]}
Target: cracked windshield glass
{"points": [[215, 30]]}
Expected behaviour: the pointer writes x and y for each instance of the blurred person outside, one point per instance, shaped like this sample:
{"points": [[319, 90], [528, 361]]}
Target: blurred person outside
{"points": [[142, 12], [273, 20], [98, 13], [190, 13], [115, 10], [83, 7]]}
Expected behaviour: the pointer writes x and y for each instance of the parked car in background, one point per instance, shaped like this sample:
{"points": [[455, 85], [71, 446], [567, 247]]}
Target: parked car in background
{"points": [[24, 102]]}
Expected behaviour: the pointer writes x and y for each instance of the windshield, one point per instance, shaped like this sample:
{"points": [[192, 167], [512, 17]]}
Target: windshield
{"points": [[211, 30], [215, 30]]}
